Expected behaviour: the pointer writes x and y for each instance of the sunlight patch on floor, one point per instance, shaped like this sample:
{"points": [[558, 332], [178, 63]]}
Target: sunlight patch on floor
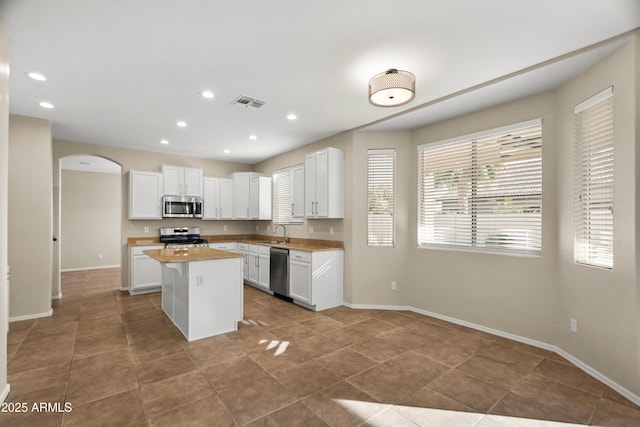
{"points": [[430, 417], [280, 346]]}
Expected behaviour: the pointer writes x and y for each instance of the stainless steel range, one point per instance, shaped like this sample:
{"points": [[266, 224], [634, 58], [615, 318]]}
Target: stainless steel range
{"points": [[182, 237]]}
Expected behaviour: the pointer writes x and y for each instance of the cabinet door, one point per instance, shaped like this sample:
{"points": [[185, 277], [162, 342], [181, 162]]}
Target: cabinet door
{"points": [[145, 195], [309, 185], [253, 268], [254, 198], [297, 210], [172, 178], [241, 195], [261, 200], [322, 183], [192, 182], [263, 271], [245, 266], [225, 202], [147, 273], [211, 197], [300, 281]]}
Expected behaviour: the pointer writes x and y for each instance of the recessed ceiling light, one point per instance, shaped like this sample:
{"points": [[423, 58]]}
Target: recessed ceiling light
{"points": [[226, 151], [207, 94], [253, 137], [47, 105], [291, 116], [37, 76], [181, 124], [164, 141]]}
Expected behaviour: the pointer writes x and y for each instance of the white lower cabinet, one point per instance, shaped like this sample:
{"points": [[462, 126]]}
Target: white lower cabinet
{"points": [[264, 264], [300, 276], [243, 248], [257, 266], [316, 278], [145, 273]]}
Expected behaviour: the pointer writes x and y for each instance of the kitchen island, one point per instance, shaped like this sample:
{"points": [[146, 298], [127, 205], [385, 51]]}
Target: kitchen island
{"points": [[202, 289]]}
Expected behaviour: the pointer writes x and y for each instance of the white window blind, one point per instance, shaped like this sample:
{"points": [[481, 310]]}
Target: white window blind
{"points": [[483, 191], [593, 181], [381, 197], [283, 197]]}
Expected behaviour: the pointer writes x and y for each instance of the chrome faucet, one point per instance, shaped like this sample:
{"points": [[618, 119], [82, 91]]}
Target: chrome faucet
{"points": [[284, 232]]}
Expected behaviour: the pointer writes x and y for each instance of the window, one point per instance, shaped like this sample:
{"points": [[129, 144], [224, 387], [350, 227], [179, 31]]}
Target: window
{"points": [[593, 181], [286, 195], [483, 191], [381, 197]]}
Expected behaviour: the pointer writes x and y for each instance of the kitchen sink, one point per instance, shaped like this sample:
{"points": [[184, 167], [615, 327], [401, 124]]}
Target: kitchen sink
{"points": [[273, 242]]}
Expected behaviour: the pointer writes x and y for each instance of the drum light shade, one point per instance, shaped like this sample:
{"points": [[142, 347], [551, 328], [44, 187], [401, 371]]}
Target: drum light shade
{"points": [[392, 88]]}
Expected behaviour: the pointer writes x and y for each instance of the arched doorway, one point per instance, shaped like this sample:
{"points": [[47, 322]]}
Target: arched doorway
{"points": [[89, 215]]}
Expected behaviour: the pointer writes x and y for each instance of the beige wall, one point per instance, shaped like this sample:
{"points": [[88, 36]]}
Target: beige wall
{"points": [[146, 161], [529, 297], [604, 302], [30, 216], [4, 199], [90, 236], [514, 294], [374, 268]]}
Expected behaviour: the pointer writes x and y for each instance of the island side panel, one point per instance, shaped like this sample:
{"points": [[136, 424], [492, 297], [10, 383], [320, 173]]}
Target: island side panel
{"points": [[216, 297]]}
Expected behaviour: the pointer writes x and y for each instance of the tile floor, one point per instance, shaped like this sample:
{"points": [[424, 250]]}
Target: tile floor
{"points": [[117, 360]]}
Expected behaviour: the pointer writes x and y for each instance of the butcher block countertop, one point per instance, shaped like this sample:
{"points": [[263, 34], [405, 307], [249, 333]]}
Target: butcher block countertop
{"points": [[264, 240], [189, 254]]}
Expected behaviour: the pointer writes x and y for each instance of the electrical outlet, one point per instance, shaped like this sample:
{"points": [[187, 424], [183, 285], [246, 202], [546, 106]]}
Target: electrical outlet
{"points": [[573, 325], [257, 228], [225, 228], [311, 229], [99, 256], [394, 286], [330, 230], [146, 229]]}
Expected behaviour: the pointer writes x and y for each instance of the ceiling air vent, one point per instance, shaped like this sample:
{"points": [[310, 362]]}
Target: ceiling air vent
{"points": [[247, 101]]}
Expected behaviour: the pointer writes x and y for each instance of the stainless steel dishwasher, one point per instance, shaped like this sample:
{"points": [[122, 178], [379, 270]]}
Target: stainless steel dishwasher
{"points": [[279, 271]]}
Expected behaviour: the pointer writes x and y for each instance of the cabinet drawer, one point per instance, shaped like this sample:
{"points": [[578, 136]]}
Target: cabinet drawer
{"points": [[243, 246], [302, 256], [139, 250], [229, 246], [264, 250]]}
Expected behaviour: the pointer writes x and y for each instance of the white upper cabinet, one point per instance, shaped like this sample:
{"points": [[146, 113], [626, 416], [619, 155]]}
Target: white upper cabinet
{"points": [[242, 194], [251, 196], [179, 181], [324, 184], [218, 198], [145, 195], [260, 197]]}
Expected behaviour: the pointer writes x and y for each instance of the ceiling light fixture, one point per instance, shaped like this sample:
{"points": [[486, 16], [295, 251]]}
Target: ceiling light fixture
{"points": [[253, 137], [226, 151], [181, 124], [291, 116], [392, 88], [45, 104], [164, 141], [37, 76], [207, 94]]}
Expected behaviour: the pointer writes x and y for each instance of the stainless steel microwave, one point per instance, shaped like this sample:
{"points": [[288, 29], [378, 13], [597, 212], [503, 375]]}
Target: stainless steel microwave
{"points": [[181, 207]]}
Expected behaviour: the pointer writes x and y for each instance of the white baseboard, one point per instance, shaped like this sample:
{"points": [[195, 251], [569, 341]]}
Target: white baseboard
{"points": [[5, 392], [31, 316], [101, 267], [535, 343]]}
